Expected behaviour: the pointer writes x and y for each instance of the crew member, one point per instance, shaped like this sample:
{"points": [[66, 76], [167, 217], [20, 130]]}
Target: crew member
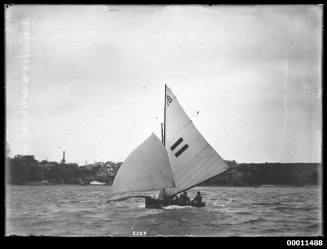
{"points": [[162, 195], [197, 199], [184, 199]]}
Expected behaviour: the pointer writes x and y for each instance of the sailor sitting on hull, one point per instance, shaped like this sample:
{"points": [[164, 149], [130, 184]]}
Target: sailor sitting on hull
{"points": [[171, 199], [197, 199], [162, 195], [184, 200], [166, 199]]}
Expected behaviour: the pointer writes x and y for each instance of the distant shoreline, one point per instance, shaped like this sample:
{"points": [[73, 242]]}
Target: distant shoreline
{"points": [[25, 170]]}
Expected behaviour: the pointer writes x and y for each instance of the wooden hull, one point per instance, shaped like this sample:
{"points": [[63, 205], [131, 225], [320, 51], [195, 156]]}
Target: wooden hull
{"points": [[202, 204], [155, 203]]}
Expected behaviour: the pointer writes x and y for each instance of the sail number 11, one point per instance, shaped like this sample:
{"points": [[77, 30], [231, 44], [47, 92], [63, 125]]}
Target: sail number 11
{"points": [[180, 151]]}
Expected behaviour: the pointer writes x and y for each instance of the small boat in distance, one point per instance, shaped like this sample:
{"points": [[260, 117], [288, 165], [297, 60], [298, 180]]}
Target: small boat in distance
{"points": [[182, 160], [97, 183]]}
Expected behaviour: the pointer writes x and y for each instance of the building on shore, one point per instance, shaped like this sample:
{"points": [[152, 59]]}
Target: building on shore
{"points": [[63, 161]]}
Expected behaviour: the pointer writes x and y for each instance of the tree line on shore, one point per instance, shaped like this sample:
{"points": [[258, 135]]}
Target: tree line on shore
{"points": [[256, 174], [27, 170]]}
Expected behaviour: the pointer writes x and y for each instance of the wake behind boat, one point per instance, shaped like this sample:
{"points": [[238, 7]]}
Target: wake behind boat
{"points": [[182, 160]]}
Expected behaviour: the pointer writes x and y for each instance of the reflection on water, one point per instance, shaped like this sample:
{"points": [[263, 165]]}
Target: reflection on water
{"points": [[72, 210]]}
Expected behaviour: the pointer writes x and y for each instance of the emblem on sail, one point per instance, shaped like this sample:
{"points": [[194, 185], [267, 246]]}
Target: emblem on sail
{"points": [[169, 100]]}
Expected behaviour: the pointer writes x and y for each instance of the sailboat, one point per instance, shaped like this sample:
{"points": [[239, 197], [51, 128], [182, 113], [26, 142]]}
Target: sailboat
{"points": [[182, 160]]}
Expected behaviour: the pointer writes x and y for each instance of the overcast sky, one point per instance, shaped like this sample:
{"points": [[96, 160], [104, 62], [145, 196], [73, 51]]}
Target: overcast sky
{"points": [[90, 79]]}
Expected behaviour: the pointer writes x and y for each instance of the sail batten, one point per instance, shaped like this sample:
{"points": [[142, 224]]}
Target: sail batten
{"points": [[191, 157]]}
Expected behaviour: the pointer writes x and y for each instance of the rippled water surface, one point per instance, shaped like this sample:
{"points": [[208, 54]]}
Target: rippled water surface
{"points": [[72, 210]]}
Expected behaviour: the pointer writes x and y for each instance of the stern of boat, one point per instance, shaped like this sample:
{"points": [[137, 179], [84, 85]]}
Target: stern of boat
{"points": [[153, 203]]}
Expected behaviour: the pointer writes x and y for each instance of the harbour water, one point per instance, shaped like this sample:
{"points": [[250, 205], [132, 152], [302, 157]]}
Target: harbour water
{"points": [[72, 210]]}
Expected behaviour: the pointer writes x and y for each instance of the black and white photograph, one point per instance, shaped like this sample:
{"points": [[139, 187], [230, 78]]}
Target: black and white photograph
{"points": [[163, 120]]}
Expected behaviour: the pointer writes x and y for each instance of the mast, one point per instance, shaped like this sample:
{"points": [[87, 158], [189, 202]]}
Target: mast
{"points": [[164, 131], [163, 135]]}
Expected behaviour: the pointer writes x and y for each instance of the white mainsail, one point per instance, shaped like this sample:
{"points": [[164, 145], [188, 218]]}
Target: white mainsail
{"points": [[146, 168], [191, 158]]}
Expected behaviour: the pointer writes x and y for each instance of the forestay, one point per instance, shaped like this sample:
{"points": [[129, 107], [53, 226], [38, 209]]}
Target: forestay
{"points": [[191, 158], [146, 168]]}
